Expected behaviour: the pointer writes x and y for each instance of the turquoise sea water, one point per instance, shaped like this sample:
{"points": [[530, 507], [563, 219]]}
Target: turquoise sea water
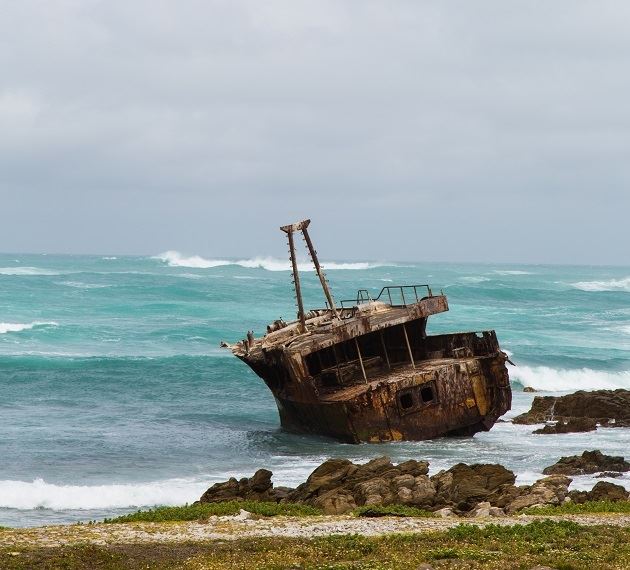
{"points": [[116, 395]]}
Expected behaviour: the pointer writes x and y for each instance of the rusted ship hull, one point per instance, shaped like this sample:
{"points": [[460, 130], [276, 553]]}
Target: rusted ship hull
{"points": [[369, 372], [448, 396], [465, 404]]}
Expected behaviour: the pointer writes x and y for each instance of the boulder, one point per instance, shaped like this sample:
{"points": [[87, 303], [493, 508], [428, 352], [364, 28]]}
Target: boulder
{"points": [[587, 463], [463, 486], [444, 512], [610, 408], [602, 491], [551, 490], [572, 425], [339, 486], [529, 389], [485, 509], [335, 502], [256, 488]]}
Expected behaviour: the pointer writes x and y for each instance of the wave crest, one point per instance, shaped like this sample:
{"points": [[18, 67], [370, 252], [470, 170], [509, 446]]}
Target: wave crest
{"points": [[610, 285], [17, 327], [39, 494], [26, 271], [560, 380], [176, 259], [512, 272]]}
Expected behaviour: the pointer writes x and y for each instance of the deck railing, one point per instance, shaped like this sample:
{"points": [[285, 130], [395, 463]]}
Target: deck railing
{"points": [[397, 295]]}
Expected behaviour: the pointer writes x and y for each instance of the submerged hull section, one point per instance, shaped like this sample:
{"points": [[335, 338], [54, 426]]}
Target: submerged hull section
{"points": [[445, 397], [456, 385]]}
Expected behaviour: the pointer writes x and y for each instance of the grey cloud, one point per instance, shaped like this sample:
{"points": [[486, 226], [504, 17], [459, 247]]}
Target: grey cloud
{"points": [[492, 130]]}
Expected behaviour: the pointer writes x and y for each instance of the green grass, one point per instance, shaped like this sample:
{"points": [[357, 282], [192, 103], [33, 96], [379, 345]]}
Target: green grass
{"points": [[391, 511], [584, 508], [560, 545], [205, 510], [544, 530]]}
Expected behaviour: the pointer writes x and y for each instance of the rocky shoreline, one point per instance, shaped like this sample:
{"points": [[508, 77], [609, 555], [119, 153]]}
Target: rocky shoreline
{"points": [[339, 486], [580, 411]]}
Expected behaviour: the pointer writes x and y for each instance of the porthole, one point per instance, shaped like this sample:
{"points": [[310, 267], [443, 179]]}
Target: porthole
{"points": [[427, 395], [406, 400]]}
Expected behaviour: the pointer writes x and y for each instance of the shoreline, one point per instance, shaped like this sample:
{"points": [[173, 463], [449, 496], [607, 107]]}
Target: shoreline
{"points": [[234, 528], [339, 542]]}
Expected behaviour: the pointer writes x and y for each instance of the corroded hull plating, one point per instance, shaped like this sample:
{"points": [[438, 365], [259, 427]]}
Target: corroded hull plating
{"points": [[468, 394], [368, 372]]}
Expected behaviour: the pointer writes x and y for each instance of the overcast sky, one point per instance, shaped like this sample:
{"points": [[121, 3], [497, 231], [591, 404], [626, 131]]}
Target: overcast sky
{"points": [[407, 130]]}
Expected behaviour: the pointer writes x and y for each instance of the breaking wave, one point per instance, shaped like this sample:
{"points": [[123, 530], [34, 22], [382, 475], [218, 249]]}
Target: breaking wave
{"points": [[610, 285], [511, 272], [474, 279], [81, 285], [39, 494], [17, 327], [26, 271], [559, 380], [176, 259]]}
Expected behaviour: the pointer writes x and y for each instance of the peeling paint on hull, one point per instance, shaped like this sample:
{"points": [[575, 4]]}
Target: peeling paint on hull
{"points": [[370, 373]]}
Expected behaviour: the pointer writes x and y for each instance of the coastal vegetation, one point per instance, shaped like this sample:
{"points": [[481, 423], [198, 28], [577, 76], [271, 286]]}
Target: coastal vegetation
{"points": [[563, 545], [570, 508], [391, 511], [201, 511]]}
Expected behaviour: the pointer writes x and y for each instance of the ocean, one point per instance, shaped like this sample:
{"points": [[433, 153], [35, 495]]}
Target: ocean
{"points": [[116, 395]]}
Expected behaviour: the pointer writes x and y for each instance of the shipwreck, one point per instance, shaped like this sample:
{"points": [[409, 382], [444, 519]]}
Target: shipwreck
{"points": [[365, 370]]}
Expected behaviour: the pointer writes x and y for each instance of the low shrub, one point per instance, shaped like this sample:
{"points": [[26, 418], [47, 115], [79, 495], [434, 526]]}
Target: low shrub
{"points": [[203, 511], [391, 511], [584, 508]]}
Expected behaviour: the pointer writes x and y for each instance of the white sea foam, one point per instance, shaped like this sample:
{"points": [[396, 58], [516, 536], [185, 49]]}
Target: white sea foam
{"points": [[17, 327], [176, 259], [552, 380], [109, 258], [26, 271], [81, 285], [512, 272], [474, 279], [40, 494], [610, 285]]}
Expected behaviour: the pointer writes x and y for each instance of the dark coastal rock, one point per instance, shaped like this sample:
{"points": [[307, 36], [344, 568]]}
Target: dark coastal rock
{"points": [[338, 485], [572, 425], [548, 491], [463, 486], [529, 389], [609, 408], [587, 463], [602, 491], [256, 488]]}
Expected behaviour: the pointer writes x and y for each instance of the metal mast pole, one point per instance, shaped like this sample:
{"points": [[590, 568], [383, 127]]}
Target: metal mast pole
{"points": [[296, 276], [318, 269]]}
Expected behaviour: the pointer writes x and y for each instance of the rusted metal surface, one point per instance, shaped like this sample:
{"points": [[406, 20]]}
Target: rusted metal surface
{"points": [[370, 373]]}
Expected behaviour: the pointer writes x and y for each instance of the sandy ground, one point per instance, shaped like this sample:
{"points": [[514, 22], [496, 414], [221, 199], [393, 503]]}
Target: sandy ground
{"points": [[231, 528]]}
